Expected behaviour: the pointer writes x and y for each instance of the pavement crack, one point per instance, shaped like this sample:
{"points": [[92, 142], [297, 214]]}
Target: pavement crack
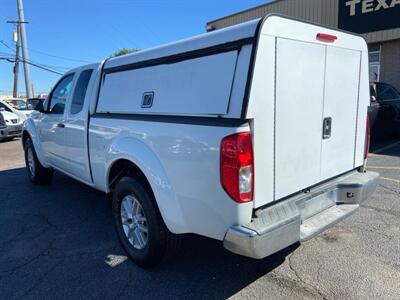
{"points": [[313, 288], [382, 210], [380, 232], [389, 189], [44, 252], [20, 233], [41, 278], [12, 270]]}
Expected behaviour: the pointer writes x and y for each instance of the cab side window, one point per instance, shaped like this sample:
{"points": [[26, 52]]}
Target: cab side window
{"points": [[80, 91], [60, 94]]}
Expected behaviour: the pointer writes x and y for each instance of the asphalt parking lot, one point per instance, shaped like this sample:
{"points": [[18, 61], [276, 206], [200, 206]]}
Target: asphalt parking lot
{"points": [[58, 241]]}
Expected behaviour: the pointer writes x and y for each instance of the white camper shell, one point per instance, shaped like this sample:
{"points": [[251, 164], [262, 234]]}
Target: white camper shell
{"points": [[299, 90], [276, 72]]}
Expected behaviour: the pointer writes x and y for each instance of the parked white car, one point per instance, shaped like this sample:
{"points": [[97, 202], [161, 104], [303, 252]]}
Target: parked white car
{"points": [[18, 107], [255, 135], [10, 125]]}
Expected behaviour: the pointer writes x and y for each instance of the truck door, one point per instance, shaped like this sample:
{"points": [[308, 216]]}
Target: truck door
{"points": [[340, 107], [76, 128], [51, 123], [298, 115], [315, 113]]}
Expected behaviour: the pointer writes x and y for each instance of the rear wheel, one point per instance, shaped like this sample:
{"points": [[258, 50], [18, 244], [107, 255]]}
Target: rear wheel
{"points": [[139, 225], [36, 172]]}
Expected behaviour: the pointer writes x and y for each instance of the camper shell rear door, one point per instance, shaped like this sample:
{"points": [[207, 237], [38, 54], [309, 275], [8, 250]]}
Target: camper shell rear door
{"points": [[308, 100]]}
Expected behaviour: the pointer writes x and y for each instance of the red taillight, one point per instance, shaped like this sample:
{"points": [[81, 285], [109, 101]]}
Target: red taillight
{"points": [[237, 168], [367, 138], [324, 37]]}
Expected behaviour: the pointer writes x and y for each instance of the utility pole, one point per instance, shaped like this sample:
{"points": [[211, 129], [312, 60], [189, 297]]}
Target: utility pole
{"points": [[16, 65], [24, 46], [16, 38]]}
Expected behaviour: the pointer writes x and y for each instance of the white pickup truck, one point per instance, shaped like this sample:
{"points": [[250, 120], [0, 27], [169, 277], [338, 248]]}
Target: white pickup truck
{"points": [[255, 135]]}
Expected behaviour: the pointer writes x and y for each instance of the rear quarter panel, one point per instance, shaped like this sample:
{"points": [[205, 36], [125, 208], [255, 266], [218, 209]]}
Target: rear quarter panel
{"points": [[181, 162]]}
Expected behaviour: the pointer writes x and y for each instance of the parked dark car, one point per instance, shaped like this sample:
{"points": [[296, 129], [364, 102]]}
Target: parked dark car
{"points": [[384, 112], [34, 102]]}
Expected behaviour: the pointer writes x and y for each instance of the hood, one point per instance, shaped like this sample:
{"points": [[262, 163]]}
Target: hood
{"points": [[24, 114], [9, 115]]}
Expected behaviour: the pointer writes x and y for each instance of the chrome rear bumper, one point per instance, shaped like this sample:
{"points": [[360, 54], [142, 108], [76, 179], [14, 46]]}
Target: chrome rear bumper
{"points": [[301, 217]]}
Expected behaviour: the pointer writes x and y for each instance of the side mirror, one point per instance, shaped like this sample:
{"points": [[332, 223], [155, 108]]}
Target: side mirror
{"points": [[373, 99], [2, 109], [39, 107]]}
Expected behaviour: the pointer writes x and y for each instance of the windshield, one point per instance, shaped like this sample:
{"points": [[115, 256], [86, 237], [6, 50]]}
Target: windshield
{"points": [[18, 104]]}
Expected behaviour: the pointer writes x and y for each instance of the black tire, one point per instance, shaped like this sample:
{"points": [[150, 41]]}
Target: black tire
{"points": [[160, 241], [39, 175]]}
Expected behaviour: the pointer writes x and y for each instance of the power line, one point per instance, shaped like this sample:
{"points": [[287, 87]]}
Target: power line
{"points": [[51, 55], [59, 57], [6, 53], [12, 60], [5, 44], [46, 66]]}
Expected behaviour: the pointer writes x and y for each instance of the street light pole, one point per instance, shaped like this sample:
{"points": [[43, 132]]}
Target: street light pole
{"points": [[24, 45]]}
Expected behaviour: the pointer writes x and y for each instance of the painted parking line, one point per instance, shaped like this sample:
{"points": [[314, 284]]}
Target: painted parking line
{"points": [[383, 167], [390, 179]]}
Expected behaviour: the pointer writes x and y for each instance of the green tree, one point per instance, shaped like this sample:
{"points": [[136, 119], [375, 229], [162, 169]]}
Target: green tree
{"points": [[124, 51]]}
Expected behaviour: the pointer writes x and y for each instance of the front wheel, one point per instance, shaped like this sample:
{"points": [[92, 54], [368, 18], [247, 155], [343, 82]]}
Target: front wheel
{"points": [[139, 225], [37, 173]]}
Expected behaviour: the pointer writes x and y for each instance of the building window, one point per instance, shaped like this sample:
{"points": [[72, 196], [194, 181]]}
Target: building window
{"points": [[374, 65]]}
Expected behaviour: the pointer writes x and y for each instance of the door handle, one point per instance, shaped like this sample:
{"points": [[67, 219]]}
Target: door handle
{"points": [[327, 128], [61, 125]]}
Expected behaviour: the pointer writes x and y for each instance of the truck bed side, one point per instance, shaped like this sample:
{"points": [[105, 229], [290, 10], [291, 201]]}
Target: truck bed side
{"points": [[180, 161]]}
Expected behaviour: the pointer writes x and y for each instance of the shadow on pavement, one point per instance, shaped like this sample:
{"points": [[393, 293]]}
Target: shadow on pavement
{"points": [[388, 146], [58, 241]]}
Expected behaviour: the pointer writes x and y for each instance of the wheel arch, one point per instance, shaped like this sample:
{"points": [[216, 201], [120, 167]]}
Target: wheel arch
{"points": [[124, 167], [25, 136], [29, 131], [143, 164]]}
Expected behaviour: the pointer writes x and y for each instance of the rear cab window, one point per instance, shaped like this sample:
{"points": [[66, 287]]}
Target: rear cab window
{"points": [[78, 97]]}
